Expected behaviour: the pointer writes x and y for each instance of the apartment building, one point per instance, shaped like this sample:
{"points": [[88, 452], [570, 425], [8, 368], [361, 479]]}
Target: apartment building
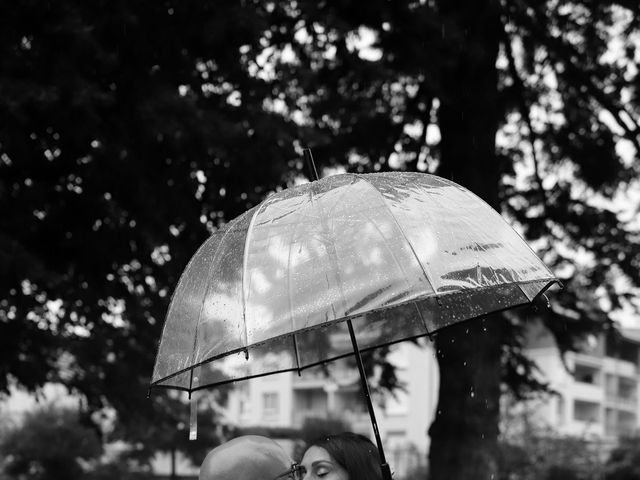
{"points": [[287, 399], [597, 390]]}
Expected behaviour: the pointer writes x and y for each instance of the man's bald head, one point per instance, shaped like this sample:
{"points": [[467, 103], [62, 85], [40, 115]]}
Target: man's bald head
{"points": [[250, 457]]}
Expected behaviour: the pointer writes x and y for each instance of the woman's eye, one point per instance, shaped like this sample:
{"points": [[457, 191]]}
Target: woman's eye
{"points": [[321, 472]]}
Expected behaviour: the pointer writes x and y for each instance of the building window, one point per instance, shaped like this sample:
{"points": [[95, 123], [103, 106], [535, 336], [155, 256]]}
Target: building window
{"points": [[306, 399], [561, 409], [270, 404], [627, 390], [623, 349], [244, 406], [587, 374], [398, 404], [586, 411], [610, 421], [626, 424]]}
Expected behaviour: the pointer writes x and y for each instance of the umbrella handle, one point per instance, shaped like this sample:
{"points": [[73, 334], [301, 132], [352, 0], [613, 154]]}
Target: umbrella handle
{"points": [[384, 466], [193, 414]]}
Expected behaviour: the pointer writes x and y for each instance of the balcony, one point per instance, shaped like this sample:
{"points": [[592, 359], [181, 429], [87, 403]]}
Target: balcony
{"points": [[585, 372], [299, 416], [622, 402], [588, 379], [358, 421], [317, 377], [619, 367], [621, 392], [308, 381], [587, 392], [587, 359], [583, 429]]}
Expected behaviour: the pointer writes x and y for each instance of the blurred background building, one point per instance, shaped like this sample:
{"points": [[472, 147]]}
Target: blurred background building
{"points": [[596, 399], [597, 392], [596, 396], [287, 400]]}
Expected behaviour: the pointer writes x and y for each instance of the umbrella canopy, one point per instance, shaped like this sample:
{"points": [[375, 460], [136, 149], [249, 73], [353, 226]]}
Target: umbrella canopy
{"points": [[400, 255]]}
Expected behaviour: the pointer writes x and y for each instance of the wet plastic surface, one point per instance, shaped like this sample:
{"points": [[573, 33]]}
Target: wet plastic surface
{"points": [[401, 254]]}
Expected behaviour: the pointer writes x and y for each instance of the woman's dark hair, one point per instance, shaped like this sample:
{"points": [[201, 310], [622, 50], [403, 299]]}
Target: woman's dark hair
{"points": [[355, 453]]}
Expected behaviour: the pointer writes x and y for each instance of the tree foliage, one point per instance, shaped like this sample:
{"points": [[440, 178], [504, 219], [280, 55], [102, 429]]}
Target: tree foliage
{"points": [[624, 461], [130, 132], [50, 444]]}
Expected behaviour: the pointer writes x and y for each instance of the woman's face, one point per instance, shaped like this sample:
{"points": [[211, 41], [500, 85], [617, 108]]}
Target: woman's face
{"points": [[318, 464]]}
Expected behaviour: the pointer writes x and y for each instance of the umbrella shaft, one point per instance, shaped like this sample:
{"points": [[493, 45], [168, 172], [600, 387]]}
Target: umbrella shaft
{"points": [[386, 472]]}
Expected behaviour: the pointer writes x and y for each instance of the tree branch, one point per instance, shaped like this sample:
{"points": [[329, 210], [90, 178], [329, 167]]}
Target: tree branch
{"points": [[524, 112], [561, 51]]}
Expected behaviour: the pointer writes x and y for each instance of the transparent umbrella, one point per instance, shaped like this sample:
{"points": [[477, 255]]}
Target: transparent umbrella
{"points": [[337, 266]]}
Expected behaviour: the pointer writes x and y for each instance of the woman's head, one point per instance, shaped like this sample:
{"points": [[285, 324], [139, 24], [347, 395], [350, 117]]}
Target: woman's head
{"points": [[345, 456]]}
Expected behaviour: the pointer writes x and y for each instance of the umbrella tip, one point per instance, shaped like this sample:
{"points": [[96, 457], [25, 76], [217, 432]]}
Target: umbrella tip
{"points": [[308, 157]]}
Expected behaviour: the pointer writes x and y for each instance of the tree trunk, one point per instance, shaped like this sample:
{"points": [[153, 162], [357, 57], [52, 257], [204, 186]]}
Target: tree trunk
{"points": [[464, 433]]}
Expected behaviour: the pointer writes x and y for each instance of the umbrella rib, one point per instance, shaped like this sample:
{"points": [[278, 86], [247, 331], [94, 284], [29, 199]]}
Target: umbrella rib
{"points": [[424, 271], [492, 211], [204, 298], [480, 249], [365, 387], [166, 324], [334, 253], [245, 287], [295, 340], [402, 269], [343, 194], [436, 200]]}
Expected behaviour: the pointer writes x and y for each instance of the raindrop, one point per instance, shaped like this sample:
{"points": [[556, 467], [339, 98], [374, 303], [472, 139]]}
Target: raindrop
{"points": [[473, 394]]}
